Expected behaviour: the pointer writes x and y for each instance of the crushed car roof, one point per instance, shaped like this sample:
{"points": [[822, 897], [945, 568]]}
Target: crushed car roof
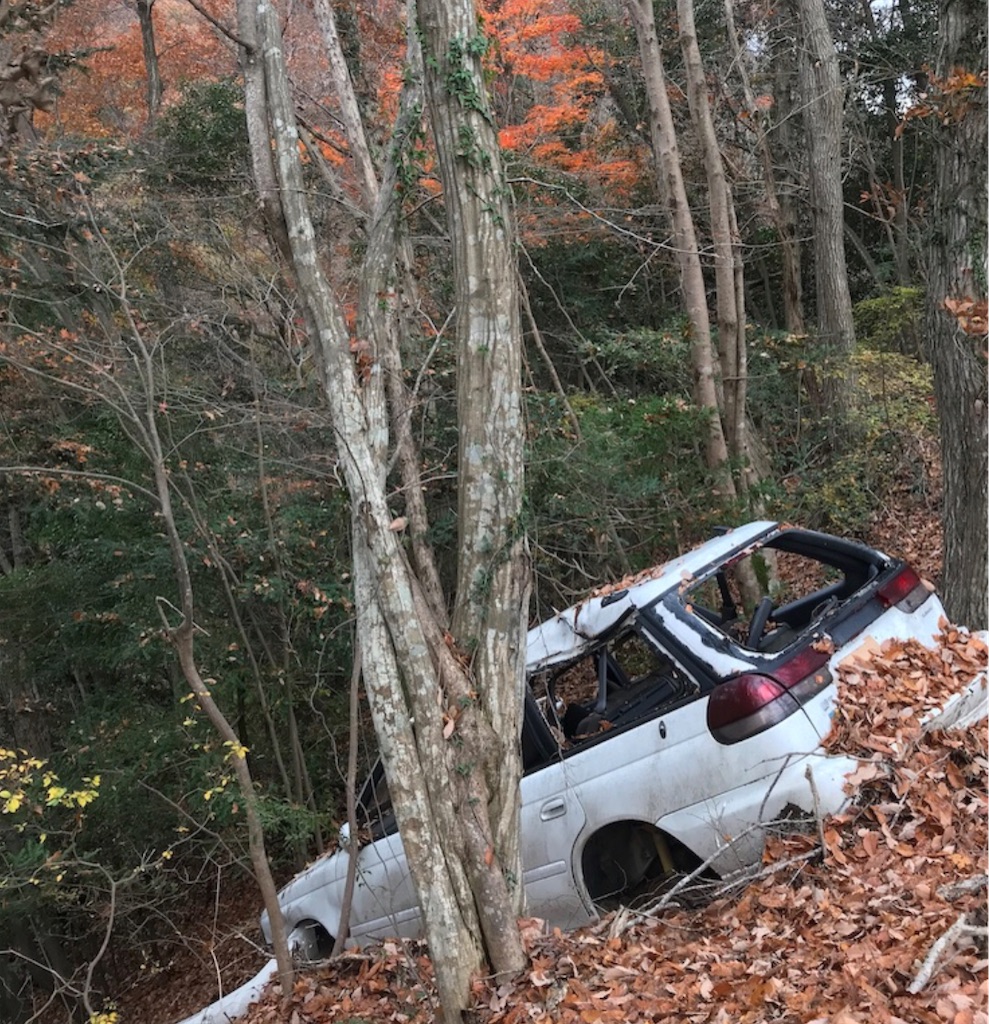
{"points": [[569, 633]]}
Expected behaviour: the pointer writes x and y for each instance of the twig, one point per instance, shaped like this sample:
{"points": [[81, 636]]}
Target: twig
{"points": [[343, 925], [955, 889], [809, 776], [220, 27], [44, 471], [622, 922], [747, 877], [111, 916], [929, 967]]}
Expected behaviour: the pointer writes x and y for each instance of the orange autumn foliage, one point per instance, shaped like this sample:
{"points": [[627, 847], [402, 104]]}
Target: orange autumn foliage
{"points": [[548, 88], [106, 95], [554, 108]]}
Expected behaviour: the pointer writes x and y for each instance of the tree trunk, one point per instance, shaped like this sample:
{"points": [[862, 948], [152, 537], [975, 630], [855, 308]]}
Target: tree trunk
{"points": [[823, 98], [956, 307], [667, 156], [789, 248], [385, 300], [898, 221], [453, 793], [787, 145], [155, 87], [258, 138], [491, 602], [347, 98], [729, 277], [182, 637]]}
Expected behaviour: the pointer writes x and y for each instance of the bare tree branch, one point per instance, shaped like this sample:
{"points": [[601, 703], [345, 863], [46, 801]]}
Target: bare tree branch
{"points": [[219, 26]]}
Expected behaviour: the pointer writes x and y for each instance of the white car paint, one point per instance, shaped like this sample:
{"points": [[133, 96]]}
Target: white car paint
{"points": [[234, 1005]]}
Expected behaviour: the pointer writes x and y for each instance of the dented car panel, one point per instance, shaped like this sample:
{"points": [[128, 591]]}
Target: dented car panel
{"points": [[665, 717], [570, 633]]}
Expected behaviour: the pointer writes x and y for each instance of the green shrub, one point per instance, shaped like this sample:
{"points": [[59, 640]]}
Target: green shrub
{"points": [[891, 321], [890, 437], [635, 484], [203, 137], [640, 361]]}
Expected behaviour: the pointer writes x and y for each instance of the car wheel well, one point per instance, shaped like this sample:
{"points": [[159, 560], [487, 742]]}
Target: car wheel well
{"points": [[310, 941], [625, 858]]}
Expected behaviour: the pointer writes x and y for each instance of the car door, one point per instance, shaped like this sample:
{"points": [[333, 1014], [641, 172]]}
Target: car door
{"points": [[551, 820], [384, 902], [645, 757], [636, 775]]}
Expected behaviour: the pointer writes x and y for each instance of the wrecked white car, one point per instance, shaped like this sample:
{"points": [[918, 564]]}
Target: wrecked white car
{"points": [[663, 719]]}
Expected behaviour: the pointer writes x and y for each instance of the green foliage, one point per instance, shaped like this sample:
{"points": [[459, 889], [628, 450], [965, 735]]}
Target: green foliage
{"points": [[896, 430], [146, 759], [203, 137], [635, 478], [892, 320], [888, 443], [639, 361], [596, 280]]}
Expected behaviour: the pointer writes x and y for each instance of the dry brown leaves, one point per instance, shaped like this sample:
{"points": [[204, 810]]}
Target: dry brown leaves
{"points": [[837, 940], [886, 690]]}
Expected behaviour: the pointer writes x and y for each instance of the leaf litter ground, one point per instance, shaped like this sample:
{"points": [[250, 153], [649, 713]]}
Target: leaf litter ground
{"points": [[840, 926]]}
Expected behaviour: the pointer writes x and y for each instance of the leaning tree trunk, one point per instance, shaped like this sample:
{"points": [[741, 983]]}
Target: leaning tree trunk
{"points": [[667, 156], [350, 113], [182, 637], [386, 300], [956, 305], [823, 98]]}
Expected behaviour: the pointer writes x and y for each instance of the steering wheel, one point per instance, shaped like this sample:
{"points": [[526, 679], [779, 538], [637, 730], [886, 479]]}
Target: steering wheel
{"points": [[827, 605], [758, 622]]}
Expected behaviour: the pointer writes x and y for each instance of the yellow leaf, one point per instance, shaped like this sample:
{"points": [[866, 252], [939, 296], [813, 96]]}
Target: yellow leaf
{"points": [[12, 802]]}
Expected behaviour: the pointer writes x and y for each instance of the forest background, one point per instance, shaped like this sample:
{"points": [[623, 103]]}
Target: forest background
{"points": [[129, 205]]}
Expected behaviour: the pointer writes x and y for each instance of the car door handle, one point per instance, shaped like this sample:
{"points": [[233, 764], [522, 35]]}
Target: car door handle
{"points": [[552, 809]]}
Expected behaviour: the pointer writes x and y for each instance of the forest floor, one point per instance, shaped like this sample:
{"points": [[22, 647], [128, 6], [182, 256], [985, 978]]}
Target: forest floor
{"points": [[842, 925]]}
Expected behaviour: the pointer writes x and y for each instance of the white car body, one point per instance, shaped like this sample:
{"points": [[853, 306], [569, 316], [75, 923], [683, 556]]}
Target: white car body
{"points": [[665, 776]]}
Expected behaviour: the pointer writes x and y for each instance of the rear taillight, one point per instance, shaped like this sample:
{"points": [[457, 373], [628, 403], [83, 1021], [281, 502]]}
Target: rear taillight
{"points": [[906, 591], [751, 703], [747, 705]]}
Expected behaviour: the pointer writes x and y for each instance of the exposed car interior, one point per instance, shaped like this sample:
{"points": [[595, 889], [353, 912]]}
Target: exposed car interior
{"points": [[766, 598], [621, 683]]}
